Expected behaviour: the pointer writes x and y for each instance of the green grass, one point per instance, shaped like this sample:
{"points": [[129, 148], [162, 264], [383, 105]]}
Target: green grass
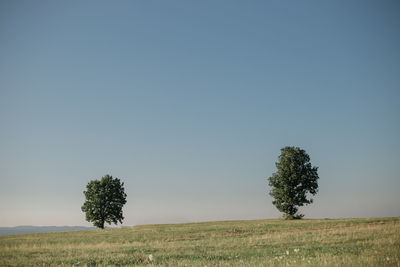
{"points": [[339, 242]]}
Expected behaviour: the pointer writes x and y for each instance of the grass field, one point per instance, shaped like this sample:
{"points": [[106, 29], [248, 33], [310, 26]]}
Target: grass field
{"points": [[338, 242]]}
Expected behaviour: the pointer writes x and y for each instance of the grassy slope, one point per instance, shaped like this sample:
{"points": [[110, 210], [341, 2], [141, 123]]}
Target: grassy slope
{"points": [[343, 242]]}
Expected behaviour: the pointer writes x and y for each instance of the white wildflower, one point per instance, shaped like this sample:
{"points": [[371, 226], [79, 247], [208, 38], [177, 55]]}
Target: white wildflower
{"points": [[287, 252], [150, 257], [296, 250]]}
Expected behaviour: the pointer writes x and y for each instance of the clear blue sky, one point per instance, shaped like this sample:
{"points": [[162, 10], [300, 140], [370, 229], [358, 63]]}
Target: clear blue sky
{"points": [[189, 103]]}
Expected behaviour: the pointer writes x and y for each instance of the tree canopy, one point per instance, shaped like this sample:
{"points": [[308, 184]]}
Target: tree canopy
{"points": [[104, 201], [295, 180]]}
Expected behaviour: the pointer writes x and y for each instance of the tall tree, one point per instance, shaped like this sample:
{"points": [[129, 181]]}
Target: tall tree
{"points": [[104, 201], [294, 181]]}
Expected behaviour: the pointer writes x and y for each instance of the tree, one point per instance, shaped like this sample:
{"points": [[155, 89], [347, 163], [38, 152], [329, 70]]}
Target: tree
{"points": [[104, 201], [294, 181]]}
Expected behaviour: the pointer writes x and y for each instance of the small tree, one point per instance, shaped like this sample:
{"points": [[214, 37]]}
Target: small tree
{"points": [[104, 201], [293, 182]]}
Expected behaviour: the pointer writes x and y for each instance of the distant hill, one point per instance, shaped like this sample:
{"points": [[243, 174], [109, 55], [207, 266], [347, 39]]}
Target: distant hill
{"points": [[28, 229]]}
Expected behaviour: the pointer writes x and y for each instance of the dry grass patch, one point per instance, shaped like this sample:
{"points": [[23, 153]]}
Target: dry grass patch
{"points": [[344, 242]]}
